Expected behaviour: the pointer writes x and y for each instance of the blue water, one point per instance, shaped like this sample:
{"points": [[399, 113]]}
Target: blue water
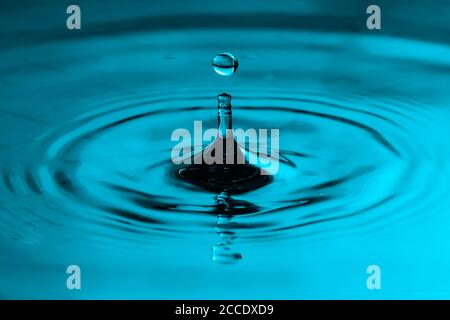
{"points": [[86, 120]]}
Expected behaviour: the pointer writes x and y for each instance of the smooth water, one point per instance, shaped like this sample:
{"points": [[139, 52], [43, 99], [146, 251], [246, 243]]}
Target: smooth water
{"points": [[86, 176]]}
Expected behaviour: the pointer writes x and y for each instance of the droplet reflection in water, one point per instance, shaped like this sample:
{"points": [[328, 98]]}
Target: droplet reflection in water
{"points": [[225, 64], [223, 252]]}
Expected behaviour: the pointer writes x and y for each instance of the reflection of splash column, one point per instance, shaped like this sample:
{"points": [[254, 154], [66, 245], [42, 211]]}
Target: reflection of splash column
{"points": [[222, 252]]}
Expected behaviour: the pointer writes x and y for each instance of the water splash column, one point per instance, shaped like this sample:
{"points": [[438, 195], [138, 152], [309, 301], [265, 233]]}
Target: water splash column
{"points": [[224, 117], [226, 65]]}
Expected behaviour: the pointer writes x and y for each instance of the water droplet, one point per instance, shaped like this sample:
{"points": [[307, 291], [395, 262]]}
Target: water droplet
{"points": [[225, 64]]}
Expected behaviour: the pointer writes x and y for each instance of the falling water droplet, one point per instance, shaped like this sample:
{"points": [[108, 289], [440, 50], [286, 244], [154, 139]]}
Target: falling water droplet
{"points": [[225, 64]]}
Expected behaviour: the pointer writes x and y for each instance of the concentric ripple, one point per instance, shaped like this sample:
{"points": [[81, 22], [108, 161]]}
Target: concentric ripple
{"points": [[361, 146]]}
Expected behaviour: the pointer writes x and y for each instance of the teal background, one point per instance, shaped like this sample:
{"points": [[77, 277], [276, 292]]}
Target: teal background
{"points": [[387, 203]]}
